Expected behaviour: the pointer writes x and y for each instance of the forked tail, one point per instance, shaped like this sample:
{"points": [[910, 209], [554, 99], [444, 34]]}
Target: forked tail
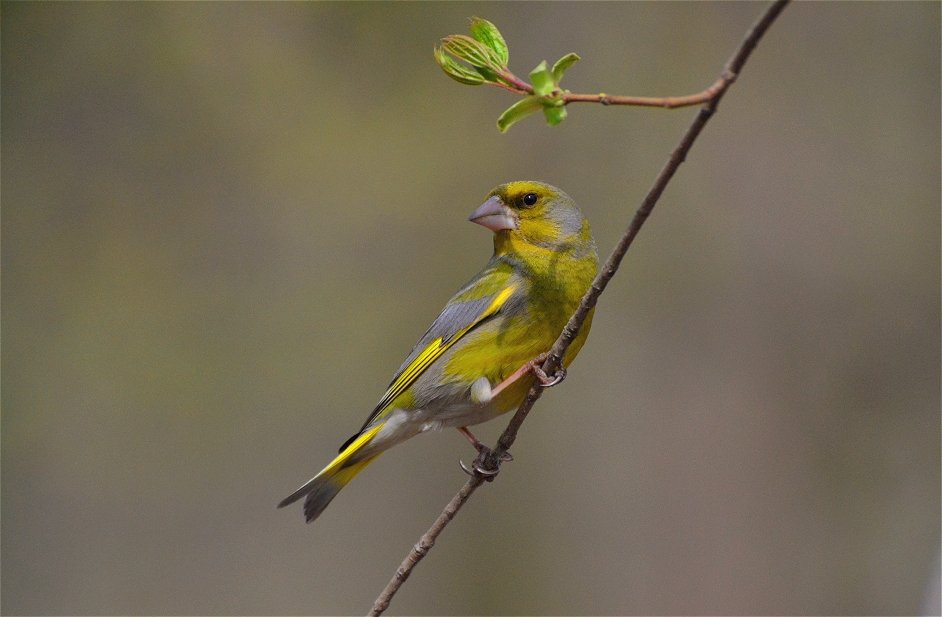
{"points": [[322, 488]]}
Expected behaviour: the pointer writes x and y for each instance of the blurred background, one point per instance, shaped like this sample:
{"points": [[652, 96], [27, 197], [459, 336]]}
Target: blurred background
{"points": [[224, 226]]}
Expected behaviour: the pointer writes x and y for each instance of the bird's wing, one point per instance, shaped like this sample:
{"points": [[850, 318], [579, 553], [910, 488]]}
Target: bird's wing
{"points": [[465, 311]]}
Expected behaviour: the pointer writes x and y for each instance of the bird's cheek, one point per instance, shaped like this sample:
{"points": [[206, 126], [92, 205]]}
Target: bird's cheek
{"points": [[540, 231]]}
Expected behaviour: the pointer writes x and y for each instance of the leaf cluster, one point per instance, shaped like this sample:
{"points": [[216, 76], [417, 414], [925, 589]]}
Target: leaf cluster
{"points": [[483, 58]]}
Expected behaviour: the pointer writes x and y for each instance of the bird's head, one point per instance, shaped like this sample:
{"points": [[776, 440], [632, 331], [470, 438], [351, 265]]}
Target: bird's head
{"points": [[533, 212]]}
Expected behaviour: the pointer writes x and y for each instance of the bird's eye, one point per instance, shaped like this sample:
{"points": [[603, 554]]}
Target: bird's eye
{"points": [[530, 198]]}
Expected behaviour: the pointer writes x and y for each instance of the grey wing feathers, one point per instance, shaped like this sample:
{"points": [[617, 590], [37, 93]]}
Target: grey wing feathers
{"points": [[455, 317]]}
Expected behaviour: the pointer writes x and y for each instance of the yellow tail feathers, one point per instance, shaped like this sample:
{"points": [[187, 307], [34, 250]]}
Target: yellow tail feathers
{"points": [[326, 488], [322, 488]]}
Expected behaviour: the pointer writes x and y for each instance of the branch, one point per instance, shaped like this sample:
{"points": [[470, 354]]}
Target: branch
{"points": [[425, 544], [669, 102], [489, 461], [512, 83]]}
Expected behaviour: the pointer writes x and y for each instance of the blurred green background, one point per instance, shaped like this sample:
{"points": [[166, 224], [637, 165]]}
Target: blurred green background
{"points": [[224, 226]]}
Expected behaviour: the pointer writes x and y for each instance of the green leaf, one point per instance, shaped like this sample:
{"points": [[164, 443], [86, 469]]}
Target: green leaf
{"points": [[456, 70], [471, 51], [562, 64], [542, 79], [518, 111], [554, 115], [487, 74], [487, 33]]}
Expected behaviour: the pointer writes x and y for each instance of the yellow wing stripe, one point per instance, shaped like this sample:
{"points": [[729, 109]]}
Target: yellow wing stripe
{"points": [[349, 451], [436, 348]]}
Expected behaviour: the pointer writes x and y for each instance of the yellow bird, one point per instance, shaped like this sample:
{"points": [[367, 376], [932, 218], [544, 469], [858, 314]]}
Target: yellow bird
{"points": [[477, 359]]}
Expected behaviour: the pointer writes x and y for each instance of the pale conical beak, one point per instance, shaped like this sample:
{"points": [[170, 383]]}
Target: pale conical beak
{"points": [[494, 215]]}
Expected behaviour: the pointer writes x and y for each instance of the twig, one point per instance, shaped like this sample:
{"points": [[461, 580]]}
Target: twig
{"points": [[490, 461], [518, 86], [425, 544], [668, 102]]}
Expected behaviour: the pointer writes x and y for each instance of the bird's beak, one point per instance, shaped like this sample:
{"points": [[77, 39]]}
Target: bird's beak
{"points": [[494, 215]]}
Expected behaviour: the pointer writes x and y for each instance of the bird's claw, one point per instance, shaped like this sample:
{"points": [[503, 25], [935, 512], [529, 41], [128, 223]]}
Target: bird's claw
{"points": [[548, 381], [477, 469], [486, 465], [465, 468]]}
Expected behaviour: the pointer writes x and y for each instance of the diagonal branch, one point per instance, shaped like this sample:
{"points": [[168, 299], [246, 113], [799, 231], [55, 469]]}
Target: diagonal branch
{"points": [[490, 461]]}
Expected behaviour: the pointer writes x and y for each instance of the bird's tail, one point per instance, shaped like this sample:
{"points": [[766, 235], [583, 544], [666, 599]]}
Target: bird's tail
{"points": [[322, 488]]}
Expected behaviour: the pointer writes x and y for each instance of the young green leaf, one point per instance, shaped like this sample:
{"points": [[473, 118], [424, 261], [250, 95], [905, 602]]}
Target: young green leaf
{"points": [[518, 111], [487, 33], [562, 64], [554, 115], [542, 79], [471, 51], [456, 70], [488, 74]]}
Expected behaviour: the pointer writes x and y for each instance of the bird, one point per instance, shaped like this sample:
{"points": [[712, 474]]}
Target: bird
{"points": [[481, 355]]}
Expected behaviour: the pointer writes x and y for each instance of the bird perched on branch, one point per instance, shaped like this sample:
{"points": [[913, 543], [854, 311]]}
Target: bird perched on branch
{"points": [[483, 352]]}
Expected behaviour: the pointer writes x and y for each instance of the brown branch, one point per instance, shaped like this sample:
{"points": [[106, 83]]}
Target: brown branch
{"points": [[514, 84], [669, 102], [425, 544], [490, 461]]}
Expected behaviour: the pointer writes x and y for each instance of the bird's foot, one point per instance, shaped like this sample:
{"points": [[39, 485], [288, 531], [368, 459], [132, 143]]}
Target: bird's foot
{"points": [[534, 366], [547, 381], [487, 464]]}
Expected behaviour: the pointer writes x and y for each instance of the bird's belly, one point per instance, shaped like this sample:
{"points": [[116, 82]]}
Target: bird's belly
{"points": [[456, 414], [401, 424]]}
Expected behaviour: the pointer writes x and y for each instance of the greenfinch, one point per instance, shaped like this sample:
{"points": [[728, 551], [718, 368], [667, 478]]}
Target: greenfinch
{"points": [[480, 356]]}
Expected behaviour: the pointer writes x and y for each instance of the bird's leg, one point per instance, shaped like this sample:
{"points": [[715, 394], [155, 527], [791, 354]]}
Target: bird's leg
{"points": [[533, 366], [480, 447], [482, 393], [472, 439], [483, 453]]}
